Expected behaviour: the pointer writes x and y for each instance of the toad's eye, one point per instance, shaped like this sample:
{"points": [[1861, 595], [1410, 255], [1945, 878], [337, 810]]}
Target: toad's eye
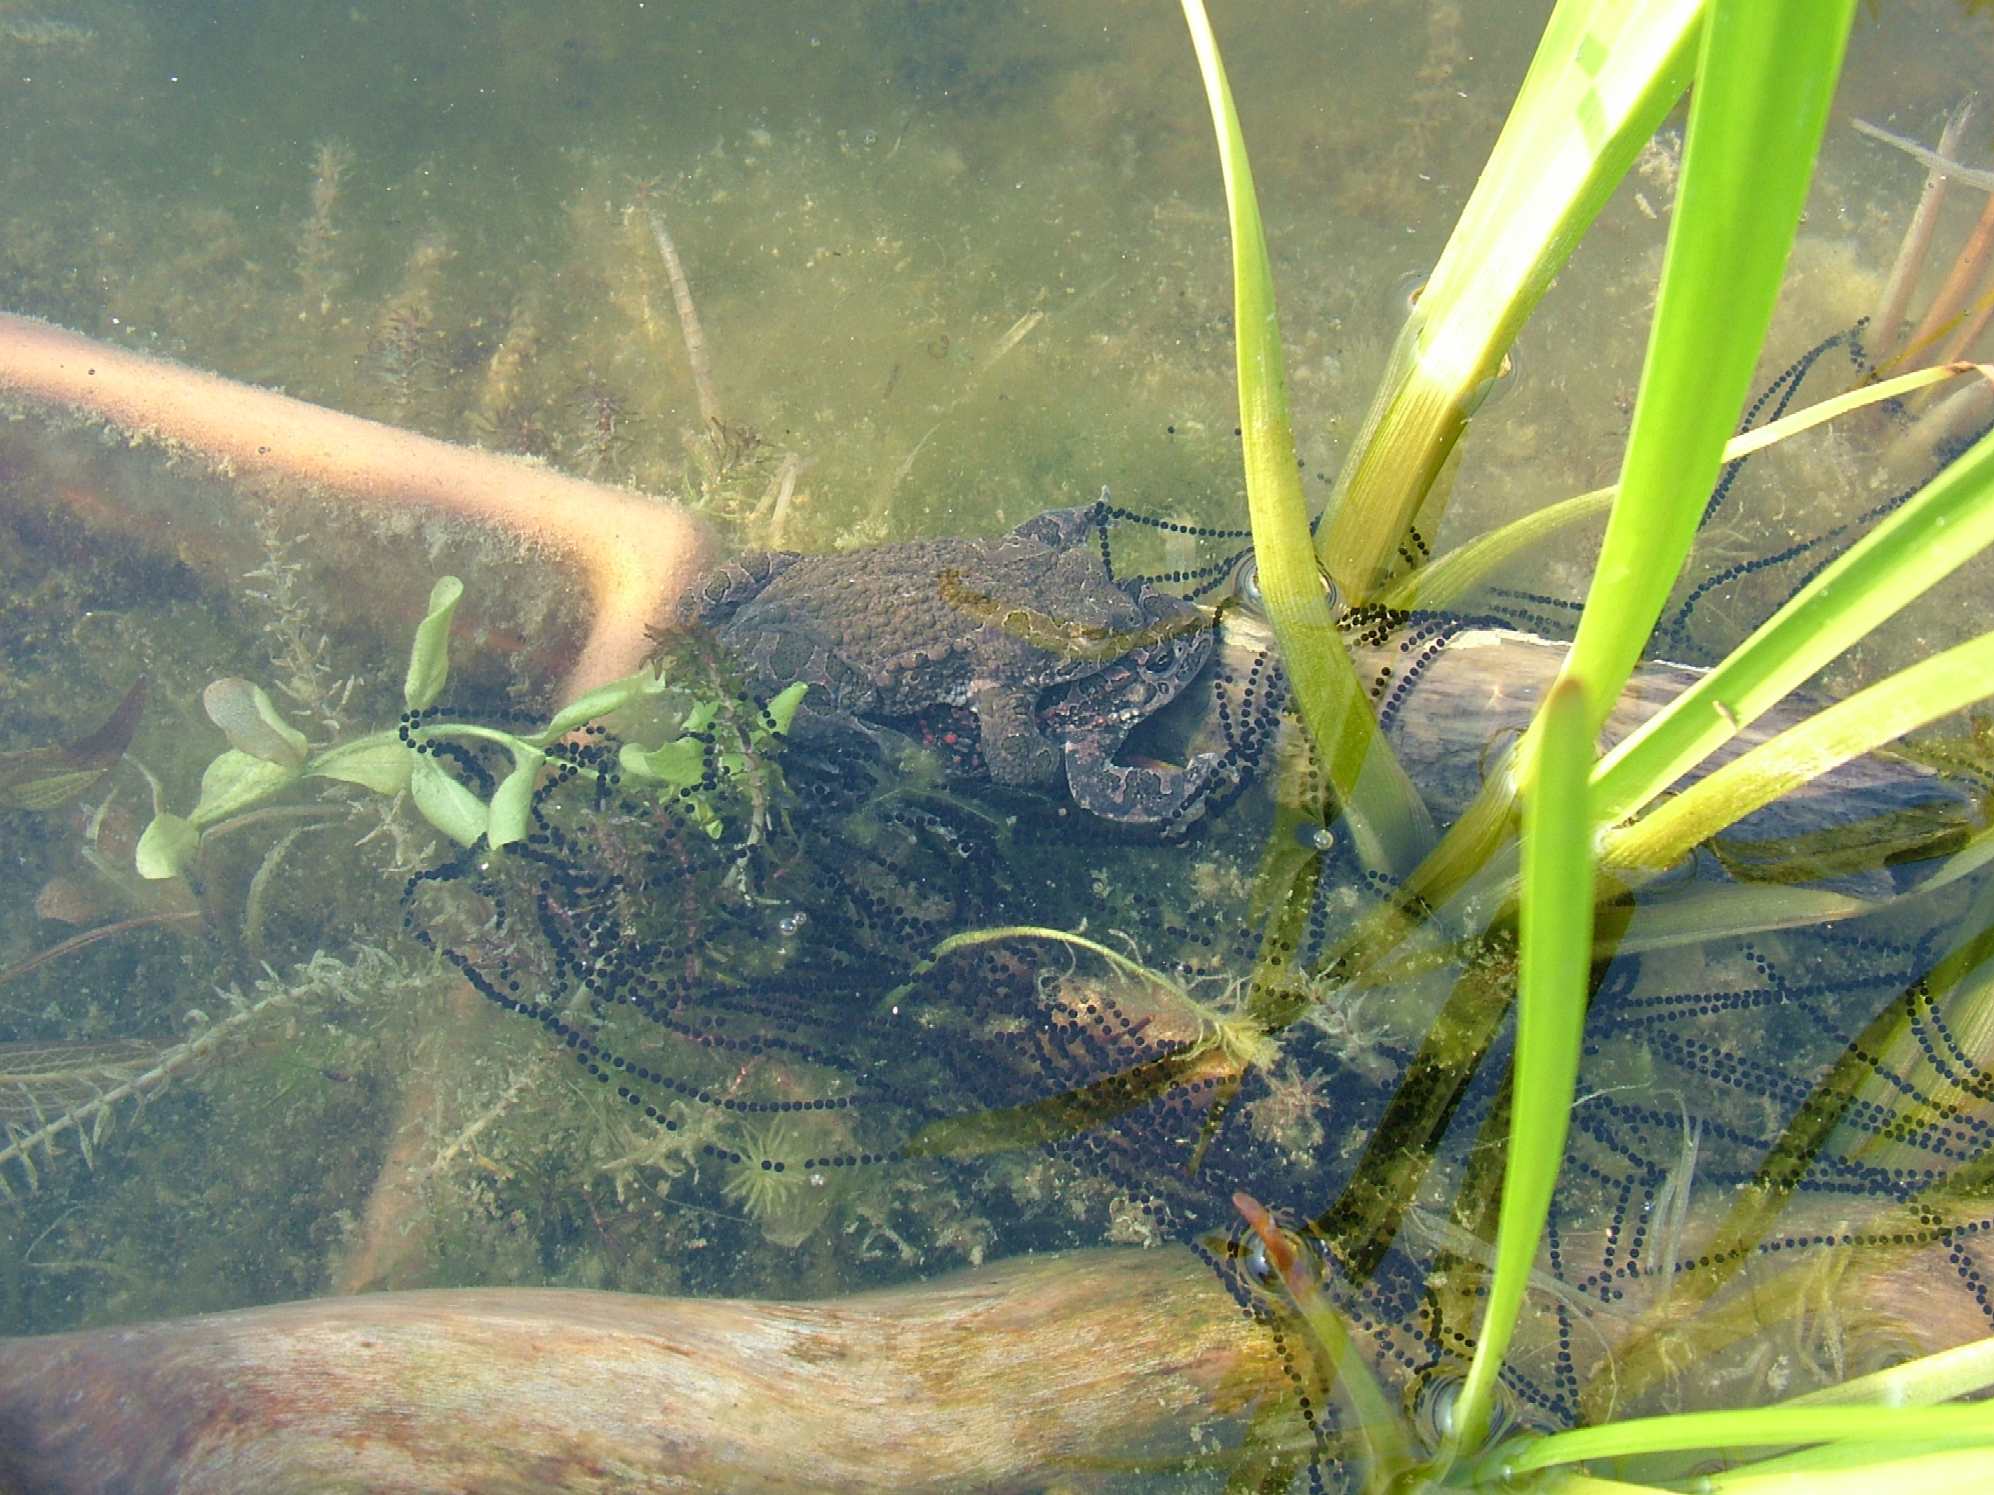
{"points": [[1165, 660]]}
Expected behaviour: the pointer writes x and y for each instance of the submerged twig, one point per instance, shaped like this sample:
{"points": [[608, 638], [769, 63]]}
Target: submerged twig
{"points": [[1015, 334], [88, 937], [1916, 248], [689, 328], [1940, 159], [466, 1139], [1968, 271], [773, 510]]}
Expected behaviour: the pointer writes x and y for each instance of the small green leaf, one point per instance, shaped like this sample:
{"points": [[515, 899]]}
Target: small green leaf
{"points": [[429, 656], [680, 763], [445, 803], [252, 723], [165, 847], [600, 702], [512, 803], [379, 761], [236, 780], [781, 709]]}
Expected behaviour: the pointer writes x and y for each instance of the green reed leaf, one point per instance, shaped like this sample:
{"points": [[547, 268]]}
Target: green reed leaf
{"points": [[1938, 529], [1911, 698], [1863, 1432], [1963, 1370], [1765, 76], [1555, 933], [1604, 75], [1387, 818], [1765, 73]]}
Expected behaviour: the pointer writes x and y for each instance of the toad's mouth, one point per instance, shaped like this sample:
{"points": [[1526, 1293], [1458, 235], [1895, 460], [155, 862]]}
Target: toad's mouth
{"points": [[1229, 708]]}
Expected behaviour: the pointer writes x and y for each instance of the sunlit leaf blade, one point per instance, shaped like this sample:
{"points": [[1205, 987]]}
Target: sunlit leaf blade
{"points": [[1604, 75], [1938, 529], [1386, 815], [1862, 1432], [1928, 690], [1963, 1370], [1448, 578], [1766, 72], [1555, 931], [1765, 75]]}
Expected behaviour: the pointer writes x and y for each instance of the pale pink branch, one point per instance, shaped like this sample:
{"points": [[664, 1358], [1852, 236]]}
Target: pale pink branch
{"points": [[634, 554]]}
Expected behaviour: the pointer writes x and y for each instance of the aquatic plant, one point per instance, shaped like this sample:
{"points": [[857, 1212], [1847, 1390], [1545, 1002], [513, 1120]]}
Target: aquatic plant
{"points": [[1733, 224], [758, 1177], [267, 754]]}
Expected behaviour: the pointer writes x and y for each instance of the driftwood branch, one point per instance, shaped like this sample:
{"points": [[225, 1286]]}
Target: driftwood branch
{"points": [[634, 554], [996, 1380]]}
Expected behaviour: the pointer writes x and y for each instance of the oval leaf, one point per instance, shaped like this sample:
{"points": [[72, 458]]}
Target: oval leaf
{"points": [[600, 702], [234, 782], [681, 763], [252, 723], [377, 761], [445, 803], [165, 847]]}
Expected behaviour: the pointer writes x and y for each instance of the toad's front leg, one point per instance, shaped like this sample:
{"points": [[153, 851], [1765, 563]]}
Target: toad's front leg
{"points": [[1018, 753]]}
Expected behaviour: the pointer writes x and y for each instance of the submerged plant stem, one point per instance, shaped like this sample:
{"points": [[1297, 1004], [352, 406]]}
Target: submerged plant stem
{"points": [[689, 325]]}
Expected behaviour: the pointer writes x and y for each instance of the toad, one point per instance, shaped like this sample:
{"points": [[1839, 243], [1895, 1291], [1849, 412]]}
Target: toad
{"points": [[1023, 643]]}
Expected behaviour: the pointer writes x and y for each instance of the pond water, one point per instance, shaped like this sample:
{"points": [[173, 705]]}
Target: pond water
{"points": [[954, 265]]}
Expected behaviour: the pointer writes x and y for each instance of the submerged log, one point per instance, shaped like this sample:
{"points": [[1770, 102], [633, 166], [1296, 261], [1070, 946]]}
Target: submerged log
{"points": [[993, 1380], [1005, 1378]]}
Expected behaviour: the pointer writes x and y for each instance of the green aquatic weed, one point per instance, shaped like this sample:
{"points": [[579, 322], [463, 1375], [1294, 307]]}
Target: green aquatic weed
{"points": [[267, 755]]}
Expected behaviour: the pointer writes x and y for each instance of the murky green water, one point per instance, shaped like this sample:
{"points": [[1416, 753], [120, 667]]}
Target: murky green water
{"points": [[954, 264]]}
